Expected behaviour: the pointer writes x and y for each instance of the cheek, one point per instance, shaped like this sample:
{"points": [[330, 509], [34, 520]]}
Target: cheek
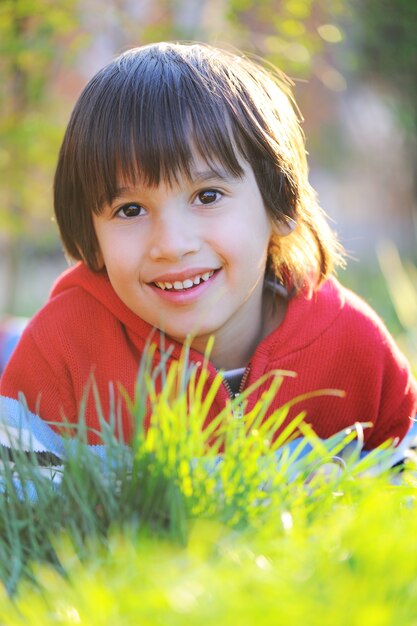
{"points": [[246, 252], [257, 237], [119, 253]]}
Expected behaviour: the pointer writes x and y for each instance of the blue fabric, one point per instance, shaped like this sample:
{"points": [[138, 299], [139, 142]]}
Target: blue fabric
{"points": [[382, 459], [10, 331], [21, 429]]}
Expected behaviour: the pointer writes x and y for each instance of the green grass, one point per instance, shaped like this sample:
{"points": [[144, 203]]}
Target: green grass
{"points": [[354, 564], [167, 532]]}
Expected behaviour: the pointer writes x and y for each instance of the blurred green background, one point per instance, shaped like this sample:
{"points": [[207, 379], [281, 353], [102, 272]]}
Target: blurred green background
{"points": [[336, 552], [354, 67]]}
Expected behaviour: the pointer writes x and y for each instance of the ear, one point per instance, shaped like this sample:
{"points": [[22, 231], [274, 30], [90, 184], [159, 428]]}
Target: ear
{"points": [[285, 226]]}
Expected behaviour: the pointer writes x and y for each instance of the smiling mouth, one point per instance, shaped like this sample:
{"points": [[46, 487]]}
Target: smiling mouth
{"points": [[188, 283]]}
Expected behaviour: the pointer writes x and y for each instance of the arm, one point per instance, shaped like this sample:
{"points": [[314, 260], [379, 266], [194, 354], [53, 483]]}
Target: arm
{"points": [[397, 403], [35, 376]]}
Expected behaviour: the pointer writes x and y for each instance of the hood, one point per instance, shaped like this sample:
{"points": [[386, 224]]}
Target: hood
{"points": [[309, 314], [98, 286]]}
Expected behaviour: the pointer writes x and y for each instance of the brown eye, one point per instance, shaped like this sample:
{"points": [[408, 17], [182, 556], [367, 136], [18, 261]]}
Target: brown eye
{"points": [[208, 196], [129, 210]]}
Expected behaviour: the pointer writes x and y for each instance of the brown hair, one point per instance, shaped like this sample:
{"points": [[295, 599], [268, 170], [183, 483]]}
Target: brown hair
{"points": [[149, 110]]}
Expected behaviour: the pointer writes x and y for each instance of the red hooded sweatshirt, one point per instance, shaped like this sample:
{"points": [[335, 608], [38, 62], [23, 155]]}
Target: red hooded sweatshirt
{"points": [[329, 338]]}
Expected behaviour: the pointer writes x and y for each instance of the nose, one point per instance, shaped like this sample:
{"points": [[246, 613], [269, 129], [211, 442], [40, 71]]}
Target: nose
{"points": [[174, 237]]}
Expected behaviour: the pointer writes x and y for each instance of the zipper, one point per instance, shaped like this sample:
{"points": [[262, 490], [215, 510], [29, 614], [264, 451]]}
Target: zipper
{"points": [[237, 409]]}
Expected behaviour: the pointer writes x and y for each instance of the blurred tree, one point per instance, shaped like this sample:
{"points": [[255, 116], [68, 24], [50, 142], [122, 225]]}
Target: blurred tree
{"points": [[385, 41], [293, 34], [385, 36], [290, 33], [33, 37]]}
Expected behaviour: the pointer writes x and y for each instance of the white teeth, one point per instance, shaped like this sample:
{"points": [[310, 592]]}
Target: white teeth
{"points": [[187, 283]]}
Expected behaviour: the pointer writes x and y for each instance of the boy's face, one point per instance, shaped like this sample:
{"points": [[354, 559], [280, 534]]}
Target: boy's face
{"points": [[190, 258]]}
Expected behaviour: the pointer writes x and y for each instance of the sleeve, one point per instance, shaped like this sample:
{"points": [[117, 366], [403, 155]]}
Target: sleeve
{"points": [[396, 425], [397, 405], [39, 382]]}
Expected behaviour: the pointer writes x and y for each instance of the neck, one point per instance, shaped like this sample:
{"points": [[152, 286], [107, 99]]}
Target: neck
{"points": [[235, 344]]}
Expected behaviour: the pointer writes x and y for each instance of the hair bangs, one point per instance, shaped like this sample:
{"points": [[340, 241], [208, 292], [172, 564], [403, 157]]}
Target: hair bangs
{"points": [[151, 129]]}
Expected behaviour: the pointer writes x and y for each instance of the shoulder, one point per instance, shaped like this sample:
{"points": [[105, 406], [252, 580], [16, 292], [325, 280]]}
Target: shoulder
{"points": [[358, 331], [347, 309], [63, 313], [331, 312], [71, 316], [339, 321]]}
